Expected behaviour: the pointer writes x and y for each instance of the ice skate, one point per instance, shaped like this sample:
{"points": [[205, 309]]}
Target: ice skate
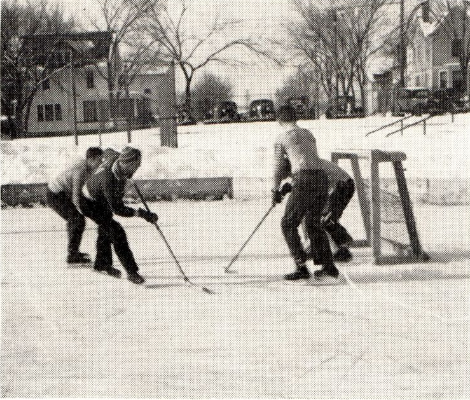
{"points": [[136, 278], [108, 270], [302, 272], [79, 258]]}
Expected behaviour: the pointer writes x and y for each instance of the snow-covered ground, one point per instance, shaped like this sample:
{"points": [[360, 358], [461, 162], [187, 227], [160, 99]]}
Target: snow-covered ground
{"points": [[390, 332], [244, 151], [383, 332]]}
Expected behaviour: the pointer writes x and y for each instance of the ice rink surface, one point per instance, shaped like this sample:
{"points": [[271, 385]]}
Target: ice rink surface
{"points": [[389, 332]]}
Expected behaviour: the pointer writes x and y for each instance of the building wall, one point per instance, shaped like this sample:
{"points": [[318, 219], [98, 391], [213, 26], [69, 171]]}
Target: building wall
{"points": [[60, 92], [150, 85], [420, 59], [443, 61]]}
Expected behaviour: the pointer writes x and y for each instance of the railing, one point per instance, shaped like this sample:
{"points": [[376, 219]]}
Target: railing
{"points": [[423, 121], [390, 124]]}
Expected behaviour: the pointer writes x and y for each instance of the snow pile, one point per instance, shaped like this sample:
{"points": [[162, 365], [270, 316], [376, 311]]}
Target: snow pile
{"points": [[244, 150]]}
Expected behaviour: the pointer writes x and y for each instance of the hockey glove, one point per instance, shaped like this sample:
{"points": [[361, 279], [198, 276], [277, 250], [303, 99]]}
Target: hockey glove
{"points": [[147, 215], [276, 196], [286, 188]]}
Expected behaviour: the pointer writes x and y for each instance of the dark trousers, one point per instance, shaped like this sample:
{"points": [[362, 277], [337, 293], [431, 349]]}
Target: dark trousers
{"points": [[307, 199], [336, 204], [62, 205], [110, 232]]}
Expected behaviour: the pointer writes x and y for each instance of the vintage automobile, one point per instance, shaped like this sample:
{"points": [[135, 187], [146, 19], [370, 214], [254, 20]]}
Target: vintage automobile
{"points": [[346, 108], [413, 100], [261, 110], [222, 112], [447, 100], [301, 106]]}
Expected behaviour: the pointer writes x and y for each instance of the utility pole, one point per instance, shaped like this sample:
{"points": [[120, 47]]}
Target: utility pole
{"points": [[74, 97], [335, 21], [402, 52], [129, 107], [464, 47]]}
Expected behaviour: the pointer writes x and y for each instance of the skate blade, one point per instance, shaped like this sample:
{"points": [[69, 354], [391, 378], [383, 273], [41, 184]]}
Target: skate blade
{"points": [[326, 281], [106, 274], [80, 265]]}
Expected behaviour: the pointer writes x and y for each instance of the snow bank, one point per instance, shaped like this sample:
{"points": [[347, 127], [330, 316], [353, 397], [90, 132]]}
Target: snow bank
{"points": [[244, 151]]}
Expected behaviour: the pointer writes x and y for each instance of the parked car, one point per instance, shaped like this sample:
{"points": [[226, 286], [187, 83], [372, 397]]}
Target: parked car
{"points": [[447, 100], [184, 116], [261, 110], [223, 111], [414, 100], [346, 108], [301, 106]]}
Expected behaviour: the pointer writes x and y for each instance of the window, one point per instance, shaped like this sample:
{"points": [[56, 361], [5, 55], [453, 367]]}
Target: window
{"points": [[58, 112], [46, 84], [90, 113], [40, 113], [457, 81], [49, 112], [456, 48], [443, 79], [147, 91], [103, 110], [90, 79]]}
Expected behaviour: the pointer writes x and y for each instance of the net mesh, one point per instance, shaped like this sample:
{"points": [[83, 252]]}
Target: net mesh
{"points": [[393, 231], [394, 237]]}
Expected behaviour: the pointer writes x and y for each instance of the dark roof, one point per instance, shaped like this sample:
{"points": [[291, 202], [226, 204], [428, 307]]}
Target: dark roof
{"points": [[86, 47]]}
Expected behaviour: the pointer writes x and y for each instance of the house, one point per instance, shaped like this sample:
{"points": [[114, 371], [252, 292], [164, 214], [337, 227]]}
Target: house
{"points": [[76, 97], [432, 59], [432, 53]]}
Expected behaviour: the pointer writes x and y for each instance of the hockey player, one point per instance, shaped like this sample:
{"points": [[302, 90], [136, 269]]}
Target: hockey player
{"points": [[341, 188], [109, 156], [295, 153], [63, 196], [103, 198]]}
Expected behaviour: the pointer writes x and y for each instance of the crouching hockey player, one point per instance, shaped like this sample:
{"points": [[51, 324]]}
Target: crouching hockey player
{"points": [[341, 188], [103, 195], [295, 154], [63, 196]]}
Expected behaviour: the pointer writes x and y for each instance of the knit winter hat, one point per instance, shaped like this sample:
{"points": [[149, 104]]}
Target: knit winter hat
{"points": [[110, 153], [129, 154]]}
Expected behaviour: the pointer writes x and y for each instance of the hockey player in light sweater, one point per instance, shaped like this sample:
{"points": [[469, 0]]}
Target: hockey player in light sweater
{"points": [[63, 196]]}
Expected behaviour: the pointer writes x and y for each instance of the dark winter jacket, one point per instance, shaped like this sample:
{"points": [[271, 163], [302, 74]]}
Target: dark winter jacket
{"points": [[106, 187]]}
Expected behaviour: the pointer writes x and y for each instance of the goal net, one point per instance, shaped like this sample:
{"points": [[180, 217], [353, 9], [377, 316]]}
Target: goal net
{"points": [[380, 215]]}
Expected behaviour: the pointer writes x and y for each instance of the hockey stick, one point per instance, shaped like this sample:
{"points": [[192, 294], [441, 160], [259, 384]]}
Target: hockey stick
{"points": [[227, 269], [139, 193]]}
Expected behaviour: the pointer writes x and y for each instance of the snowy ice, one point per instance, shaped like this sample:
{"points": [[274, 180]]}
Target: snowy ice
{"points": [[389, 332]]}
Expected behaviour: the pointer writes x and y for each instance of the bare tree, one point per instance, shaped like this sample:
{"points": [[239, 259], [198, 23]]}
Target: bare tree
{"points": [[189, 51], [123, 18], [314, 40], [338, 42], [22, 73], [361, 25], [301, 84], [209, 90]]}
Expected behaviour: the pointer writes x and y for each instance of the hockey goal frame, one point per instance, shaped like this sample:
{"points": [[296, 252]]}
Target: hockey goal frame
{"points": [[370, 208]]}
